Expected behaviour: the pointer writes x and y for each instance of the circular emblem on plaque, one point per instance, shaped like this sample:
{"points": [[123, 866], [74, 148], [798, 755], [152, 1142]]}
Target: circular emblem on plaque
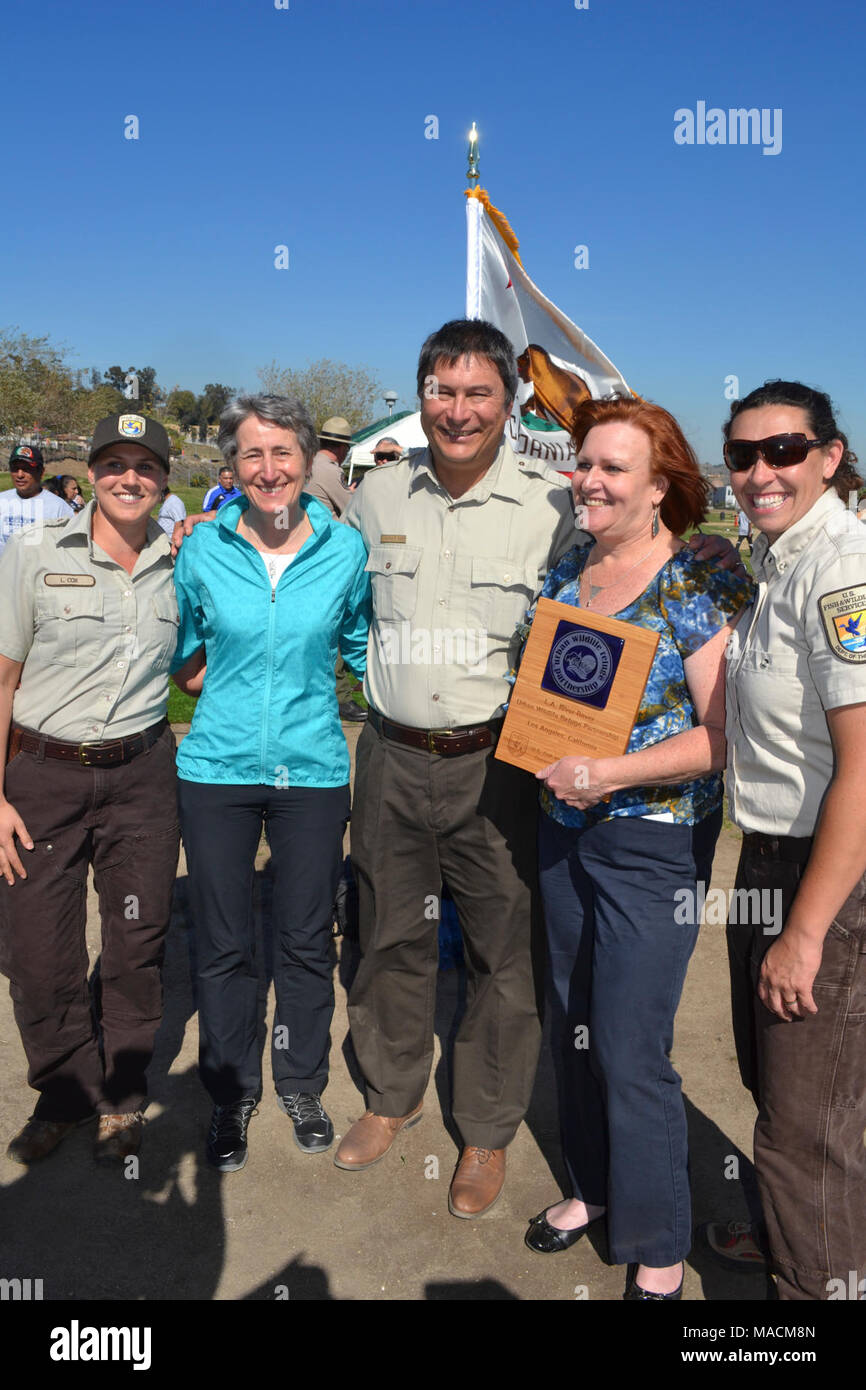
{"points": [[580, 664]]}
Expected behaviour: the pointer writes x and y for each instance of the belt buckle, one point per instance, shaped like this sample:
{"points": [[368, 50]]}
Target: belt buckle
{"points": [[83, 750], [435, 733]]}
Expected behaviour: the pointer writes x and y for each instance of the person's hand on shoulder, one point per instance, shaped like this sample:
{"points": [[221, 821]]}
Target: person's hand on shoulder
{"points": [[184, 528], [718, 548]]}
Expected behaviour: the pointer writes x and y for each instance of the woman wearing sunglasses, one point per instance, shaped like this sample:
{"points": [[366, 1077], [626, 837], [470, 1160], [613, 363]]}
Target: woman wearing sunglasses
{"points": [[796, 730]]}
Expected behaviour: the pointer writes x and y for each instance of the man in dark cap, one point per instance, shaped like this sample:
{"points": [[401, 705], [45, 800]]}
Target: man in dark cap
{"points": [[27, 502], [88, 628]]}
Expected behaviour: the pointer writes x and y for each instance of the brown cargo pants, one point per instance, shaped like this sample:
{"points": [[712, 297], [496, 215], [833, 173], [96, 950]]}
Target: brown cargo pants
{"points": [[808, 1078], [123, 821]]}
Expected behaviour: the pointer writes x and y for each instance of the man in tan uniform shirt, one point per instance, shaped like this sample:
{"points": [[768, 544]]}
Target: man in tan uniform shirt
{"points": [[460, 537], [326, 481]]}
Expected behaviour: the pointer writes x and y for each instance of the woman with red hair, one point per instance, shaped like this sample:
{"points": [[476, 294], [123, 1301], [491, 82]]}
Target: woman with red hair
{"points": [[625, 841]]}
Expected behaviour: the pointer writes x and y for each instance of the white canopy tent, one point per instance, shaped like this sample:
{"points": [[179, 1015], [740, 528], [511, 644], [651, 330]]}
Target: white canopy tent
{"points": [[407, 431]]}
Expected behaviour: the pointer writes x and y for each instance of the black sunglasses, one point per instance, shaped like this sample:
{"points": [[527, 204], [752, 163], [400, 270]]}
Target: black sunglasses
{"points": [[385, 458], [778, 451]]}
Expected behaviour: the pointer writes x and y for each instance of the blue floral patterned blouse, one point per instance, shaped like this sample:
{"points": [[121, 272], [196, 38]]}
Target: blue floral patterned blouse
{"points": [[685, 603]]}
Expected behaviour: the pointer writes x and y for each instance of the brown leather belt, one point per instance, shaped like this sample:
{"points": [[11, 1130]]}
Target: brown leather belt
{"points": [[109, 754], [789, 849], [449, 743]]}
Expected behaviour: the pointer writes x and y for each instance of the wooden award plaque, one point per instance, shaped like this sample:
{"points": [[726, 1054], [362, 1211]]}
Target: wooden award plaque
{"points": [[578, 689]]}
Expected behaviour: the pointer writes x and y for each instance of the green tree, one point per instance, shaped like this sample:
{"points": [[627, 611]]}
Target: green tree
{"points": [[36, 386], [326, 388], [91, 406], [19, 403], [213, 401], [147, 387], [183, 406], [116, 377]]}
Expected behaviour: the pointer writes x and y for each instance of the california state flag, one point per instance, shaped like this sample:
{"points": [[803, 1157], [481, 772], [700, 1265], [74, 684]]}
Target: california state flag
{"points": [[559, 365]]}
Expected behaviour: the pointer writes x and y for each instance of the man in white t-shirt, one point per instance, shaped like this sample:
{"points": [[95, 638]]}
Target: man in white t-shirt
{"points": [[27, 502]]}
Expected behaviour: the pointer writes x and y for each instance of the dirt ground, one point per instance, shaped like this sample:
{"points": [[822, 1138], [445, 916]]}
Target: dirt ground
{"points": [[293, 1226]]}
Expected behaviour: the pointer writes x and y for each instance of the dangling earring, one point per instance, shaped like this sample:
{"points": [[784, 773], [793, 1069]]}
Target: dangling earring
{"points": [[655, 525]]}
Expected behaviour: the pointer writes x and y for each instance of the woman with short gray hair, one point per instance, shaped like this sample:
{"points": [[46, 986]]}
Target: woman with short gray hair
{"points": [[269, 594]]}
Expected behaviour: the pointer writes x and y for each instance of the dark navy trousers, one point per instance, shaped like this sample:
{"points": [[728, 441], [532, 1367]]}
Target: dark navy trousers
{"points": [[221, 827], [620, 905]]}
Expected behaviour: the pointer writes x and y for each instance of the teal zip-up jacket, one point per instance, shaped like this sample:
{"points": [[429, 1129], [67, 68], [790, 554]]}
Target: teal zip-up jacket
{"points": [[268, 711]]}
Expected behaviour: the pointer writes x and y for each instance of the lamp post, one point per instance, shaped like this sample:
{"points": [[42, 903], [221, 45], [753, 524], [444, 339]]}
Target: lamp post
{"points": [[391, 399]]}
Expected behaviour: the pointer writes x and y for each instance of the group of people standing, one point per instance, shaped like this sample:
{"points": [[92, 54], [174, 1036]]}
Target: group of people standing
{"points": [[460, 537]]}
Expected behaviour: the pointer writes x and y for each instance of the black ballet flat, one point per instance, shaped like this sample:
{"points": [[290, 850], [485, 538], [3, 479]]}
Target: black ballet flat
{"points": [[634, 1293], [545, 1239]]}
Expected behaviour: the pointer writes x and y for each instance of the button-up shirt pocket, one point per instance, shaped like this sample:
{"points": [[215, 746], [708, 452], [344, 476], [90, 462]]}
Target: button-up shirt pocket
{"points": [[775, 696], [499, 595], [394, 573], [69, 625], [165, 630]]}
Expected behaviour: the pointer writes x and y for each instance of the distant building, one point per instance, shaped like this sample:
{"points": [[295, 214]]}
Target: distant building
{"points": [[724, 497]]}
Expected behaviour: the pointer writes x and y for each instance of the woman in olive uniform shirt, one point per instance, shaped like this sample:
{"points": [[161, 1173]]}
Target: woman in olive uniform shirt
{"points": [[88, 626]]}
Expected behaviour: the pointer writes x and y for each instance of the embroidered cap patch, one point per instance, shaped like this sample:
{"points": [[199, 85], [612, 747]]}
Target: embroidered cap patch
{"points": [[843, 613], [132, 426]]}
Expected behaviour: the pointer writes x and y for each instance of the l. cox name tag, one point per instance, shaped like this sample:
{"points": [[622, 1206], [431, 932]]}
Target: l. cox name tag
{"points": [[75, 581]]}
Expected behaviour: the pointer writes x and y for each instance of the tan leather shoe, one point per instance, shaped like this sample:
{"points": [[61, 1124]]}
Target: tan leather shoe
{"points": [[371, 1137], [477, 1182], [118, 1137], [39, 1138]]}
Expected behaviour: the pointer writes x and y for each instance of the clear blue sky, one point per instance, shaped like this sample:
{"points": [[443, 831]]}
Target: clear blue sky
{"points": [[306, 127]]}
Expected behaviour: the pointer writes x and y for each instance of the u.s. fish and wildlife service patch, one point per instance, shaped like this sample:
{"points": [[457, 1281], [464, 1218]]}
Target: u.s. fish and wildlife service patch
{"points": [[843, 613], [132, 426]]}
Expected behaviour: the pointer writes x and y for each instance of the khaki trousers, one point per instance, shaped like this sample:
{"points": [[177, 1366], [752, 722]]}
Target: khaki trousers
{"points": [[418, 819]]}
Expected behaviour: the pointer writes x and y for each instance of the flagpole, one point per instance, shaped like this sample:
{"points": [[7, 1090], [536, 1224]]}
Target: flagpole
{"points": [[474, 214], [472, 172]]}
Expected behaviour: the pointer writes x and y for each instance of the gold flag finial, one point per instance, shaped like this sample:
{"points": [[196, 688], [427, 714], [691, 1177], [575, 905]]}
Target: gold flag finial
{"points": [[472, 171]]}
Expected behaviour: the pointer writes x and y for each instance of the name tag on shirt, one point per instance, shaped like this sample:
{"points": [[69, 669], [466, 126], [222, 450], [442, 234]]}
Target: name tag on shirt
{"points": [[78, 581], [392, 540]]}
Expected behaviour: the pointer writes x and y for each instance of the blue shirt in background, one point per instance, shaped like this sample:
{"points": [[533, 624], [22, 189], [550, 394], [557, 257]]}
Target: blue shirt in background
{"points": [[268, 712], [217, 497]]}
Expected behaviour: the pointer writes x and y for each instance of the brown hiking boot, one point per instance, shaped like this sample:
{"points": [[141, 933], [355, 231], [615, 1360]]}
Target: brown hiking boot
{"points": [[371, 1137], [39, 1138], [118, 1137]]}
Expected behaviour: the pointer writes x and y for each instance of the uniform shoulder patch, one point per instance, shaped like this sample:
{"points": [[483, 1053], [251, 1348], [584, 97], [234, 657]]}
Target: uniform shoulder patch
{"points": [[843, 613]]}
